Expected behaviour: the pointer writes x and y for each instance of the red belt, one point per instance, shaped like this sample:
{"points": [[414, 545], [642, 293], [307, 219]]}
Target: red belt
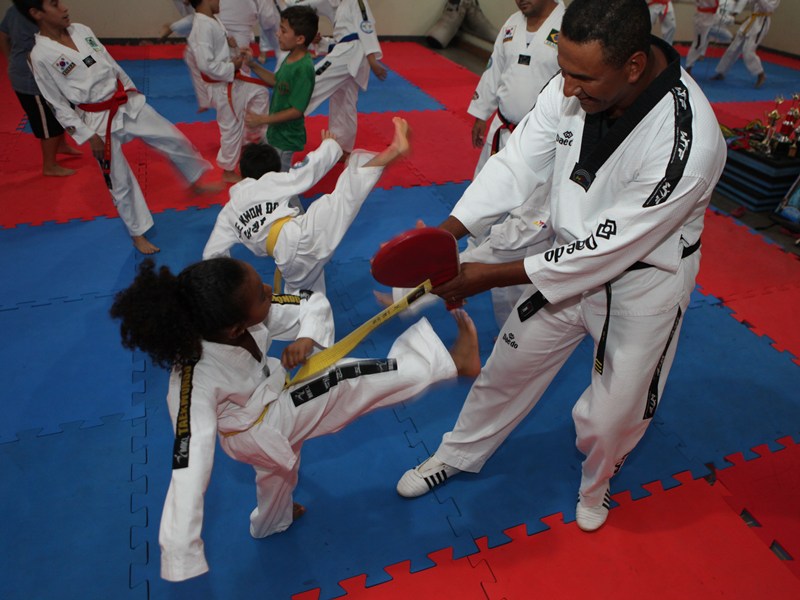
{"points": [[111, 105], [240, 77], [506, 124], [708, 9]]}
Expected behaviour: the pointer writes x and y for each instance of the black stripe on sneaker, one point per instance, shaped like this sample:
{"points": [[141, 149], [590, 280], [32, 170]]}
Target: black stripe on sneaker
{"points": [[435, 479]]}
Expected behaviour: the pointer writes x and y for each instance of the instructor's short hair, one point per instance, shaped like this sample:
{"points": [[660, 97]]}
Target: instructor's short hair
{"points": [[25, 6], [258, 159], [621, 26], [303, 20]]}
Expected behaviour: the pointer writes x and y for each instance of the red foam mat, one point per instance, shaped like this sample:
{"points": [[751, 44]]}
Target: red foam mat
{"points": [[448, 579], [682, 543], [769, 489], [740, 114], [739, 263]]}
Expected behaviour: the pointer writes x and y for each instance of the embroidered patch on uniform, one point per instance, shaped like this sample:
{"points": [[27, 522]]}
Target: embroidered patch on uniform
{"points": [[367, 27], [508, 33], [489, 64], [301, 163], [607, 229], [524, 59], [475, 96], [64, 65], [93, 44], [183, 431], [89, 61], [552, 38]]}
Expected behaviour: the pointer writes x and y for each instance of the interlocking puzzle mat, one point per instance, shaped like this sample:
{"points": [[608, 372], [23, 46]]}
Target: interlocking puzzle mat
{"points": [[84, 448]]}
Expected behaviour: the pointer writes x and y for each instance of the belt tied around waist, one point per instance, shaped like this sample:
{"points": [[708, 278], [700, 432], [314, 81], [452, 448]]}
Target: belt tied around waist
{"points": [[506, 124], [112, 104]]}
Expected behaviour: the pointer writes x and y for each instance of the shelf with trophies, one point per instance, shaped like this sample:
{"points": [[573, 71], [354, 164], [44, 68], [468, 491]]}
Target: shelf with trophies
{"points": [[763, 161]]}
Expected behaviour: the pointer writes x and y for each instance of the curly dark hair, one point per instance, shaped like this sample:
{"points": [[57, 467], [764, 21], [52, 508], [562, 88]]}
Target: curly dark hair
{"points": [[621, 26], [168, 316]]}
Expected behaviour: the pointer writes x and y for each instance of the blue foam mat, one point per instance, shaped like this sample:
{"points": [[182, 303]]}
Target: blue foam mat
{"points": [[66, 514], [739, 84], [88, 373]]}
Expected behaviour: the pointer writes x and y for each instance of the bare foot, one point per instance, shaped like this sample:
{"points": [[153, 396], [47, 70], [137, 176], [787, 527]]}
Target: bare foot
{"points": [[57, 171], [718, 77], [383, 298], [762, 77], [231, 177], [202, 109], [401, 132], [206, 188], [143, 245], [69, 150], [298, 510], [465, 351]]}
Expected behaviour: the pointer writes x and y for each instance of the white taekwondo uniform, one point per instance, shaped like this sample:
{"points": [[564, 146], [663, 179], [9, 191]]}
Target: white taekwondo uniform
{"points": [[241, 16], [749, 37], [711, 20], [344, 69], [307, 241], [233, 94], [228, 391], [183, 27], [69, 79], [626, 222], [662, 14]]}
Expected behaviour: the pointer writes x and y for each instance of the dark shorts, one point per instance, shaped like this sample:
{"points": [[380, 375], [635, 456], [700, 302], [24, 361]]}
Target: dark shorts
{"points": [[40, 116]]}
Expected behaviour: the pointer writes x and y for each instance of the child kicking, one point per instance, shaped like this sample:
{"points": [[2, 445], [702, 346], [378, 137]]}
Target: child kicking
{"points": [[260, 216], [212, 325], [96, 101]]}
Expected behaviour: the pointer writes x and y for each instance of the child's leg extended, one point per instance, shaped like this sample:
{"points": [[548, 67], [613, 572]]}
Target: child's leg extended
{"points": [[322, 228], [417, 360]]}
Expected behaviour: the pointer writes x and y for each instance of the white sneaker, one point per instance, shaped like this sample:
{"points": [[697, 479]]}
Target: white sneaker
{"points": [[422, 479], [591, 518]]}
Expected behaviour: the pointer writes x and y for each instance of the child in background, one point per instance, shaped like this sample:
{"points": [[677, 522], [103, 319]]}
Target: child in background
{"points": [[96, 101], [16, 41], [292, 84], [212, 325], [219, 61], [260, 215]]}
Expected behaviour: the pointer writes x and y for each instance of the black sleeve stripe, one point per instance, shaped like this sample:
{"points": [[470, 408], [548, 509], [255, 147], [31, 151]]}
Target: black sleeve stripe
{"points": [[183, 430], [680, 149]]}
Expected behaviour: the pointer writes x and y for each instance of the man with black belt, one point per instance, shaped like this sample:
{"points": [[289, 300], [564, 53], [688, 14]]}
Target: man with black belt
{"points": [[632, 150]]}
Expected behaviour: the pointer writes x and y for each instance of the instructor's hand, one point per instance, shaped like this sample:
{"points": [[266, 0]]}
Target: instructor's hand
{"points": [[478, 133], [475, 278]]}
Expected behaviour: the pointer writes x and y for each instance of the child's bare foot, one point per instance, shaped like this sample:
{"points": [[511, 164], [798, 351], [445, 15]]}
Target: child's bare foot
{"points": [[202, 109], [762, 77], [718, 77], [400, 141], [298, 510], [383, 298], [69, 150], [465, 351], [231, 177], [57, 171], [143, 245]]}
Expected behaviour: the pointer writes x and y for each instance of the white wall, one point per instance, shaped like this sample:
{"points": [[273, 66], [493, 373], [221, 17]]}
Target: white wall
{"points": [[143, 18]]}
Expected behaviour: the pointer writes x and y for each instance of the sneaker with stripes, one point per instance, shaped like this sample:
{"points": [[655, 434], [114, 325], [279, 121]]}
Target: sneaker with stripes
{"points": [[591, 518], [422, 479]]}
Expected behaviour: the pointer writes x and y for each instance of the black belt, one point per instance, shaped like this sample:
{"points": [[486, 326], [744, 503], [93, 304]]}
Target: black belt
{"points": [[687, 251]]}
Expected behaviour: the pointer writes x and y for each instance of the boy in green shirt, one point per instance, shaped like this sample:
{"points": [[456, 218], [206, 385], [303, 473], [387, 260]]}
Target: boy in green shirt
{"points": [[292, 84]]}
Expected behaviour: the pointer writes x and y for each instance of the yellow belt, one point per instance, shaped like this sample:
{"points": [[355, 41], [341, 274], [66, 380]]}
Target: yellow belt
{"points": [[272, 239], [752, 19], [322, 360]]}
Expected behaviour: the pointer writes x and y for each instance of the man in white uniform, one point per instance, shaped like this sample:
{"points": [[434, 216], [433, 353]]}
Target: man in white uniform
{"points": [[523, 60], [350, 55], [233, 93], [662, 16], [747, 40], [633, 151], [96, 101]]}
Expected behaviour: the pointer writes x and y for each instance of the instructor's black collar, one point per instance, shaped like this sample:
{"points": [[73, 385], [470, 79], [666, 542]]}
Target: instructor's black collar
{"points": [[594, 150]]}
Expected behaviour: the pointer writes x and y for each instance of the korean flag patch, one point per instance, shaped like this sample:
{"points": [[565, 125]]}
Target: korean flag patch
{"points": [[64, 65], [508, 34]]}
